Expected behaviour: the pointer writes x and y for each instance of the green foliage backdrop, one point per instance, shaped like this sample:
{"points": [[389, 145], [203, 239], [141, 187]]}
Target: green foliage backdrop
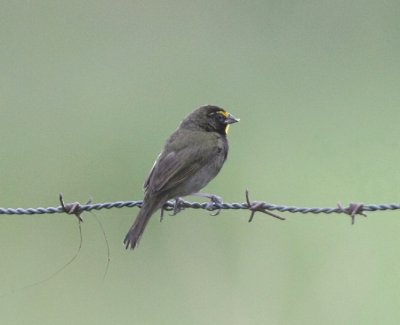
{"points": [[89, 90]]}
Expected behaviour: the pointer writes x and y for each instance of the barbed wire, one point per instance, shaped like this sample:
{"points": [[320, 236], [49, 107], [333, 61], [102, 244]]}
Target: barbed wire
{"points": [[254, 206]]}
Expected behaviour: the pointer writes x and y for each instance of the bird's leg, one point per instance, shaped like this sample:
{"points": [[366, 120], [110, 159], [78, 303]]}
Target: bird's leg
{"points": [[177, 206], [214, 199]]}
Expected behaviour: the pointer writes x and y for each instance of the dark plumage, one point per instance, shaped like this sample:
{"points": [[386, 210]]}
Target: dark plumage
{"points": [[193, 155]]}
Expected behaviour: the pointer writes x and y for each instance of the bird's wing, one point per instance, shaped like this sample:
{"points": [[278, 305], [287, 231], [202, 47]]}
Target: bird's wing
{"points": [[179, 160]]}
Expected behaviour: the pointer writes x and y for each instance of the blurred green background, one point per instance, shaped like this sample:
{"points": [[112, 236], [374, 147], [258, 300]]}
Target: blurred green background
{"points": [[89, 91]]}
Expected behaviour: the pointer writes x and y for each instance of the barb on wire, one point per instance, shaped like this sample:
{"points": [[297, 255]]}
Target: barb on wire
{"points": [[257, 206], [72, 208], [352, 210]]}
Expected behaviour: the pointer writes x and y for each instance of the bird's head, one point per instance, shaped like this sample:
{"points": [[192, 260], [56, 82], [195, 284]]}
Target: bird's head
{"points": [[210, 118]]}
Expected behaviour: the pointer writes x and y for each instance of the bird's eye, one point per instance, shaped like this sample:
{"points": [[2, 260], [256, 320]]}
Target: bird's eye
{"points": [[220, 118]]}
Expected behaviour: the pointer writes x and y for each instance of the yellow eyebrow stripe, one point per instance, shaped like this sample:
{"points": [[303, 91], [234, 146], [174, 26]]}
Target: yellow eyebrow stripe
{"points": [[226, 114]]}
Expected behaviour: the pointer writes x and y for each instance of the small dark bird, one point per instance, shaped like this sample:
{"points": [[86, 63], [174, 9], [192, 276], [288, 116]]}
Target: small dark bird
{"points": [[192, 156]]}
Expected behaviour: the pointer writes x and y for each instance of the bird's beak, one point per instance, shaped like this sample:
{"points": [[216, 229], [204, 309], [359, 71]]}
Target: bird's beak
{"points": [[231, 119]]}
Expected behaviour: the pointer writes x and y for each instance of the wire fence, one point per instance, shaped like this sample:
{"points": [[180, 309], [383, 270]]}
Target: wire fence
{"points": [[77, 209]]}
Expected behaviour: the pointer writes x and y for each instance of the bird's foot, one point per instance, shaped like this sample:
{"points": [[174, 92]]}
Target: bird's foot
{"points": [[214, 200], [178, 206]]}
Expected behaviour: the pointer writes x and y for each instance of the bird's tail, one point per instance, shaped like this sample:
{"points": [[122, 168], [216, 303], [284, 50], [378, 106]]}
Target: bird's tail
{"points": [[133, 236]]}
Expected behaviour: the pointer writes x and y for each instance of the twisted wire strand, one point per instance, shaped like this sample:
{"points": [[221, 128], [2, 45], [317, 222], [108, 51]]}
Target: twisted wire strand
{"points": [[197, 205]]}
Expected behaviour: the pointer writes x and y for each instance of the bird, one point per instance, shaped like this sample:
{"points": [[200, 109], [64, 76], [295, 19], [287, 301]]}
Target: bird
{"points": [[192, 156]]}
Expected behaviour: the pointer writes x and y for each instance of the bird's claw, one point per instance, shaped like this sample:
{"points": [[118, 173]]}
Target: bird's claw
{"points": [[178, 206], [214, 199]]}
